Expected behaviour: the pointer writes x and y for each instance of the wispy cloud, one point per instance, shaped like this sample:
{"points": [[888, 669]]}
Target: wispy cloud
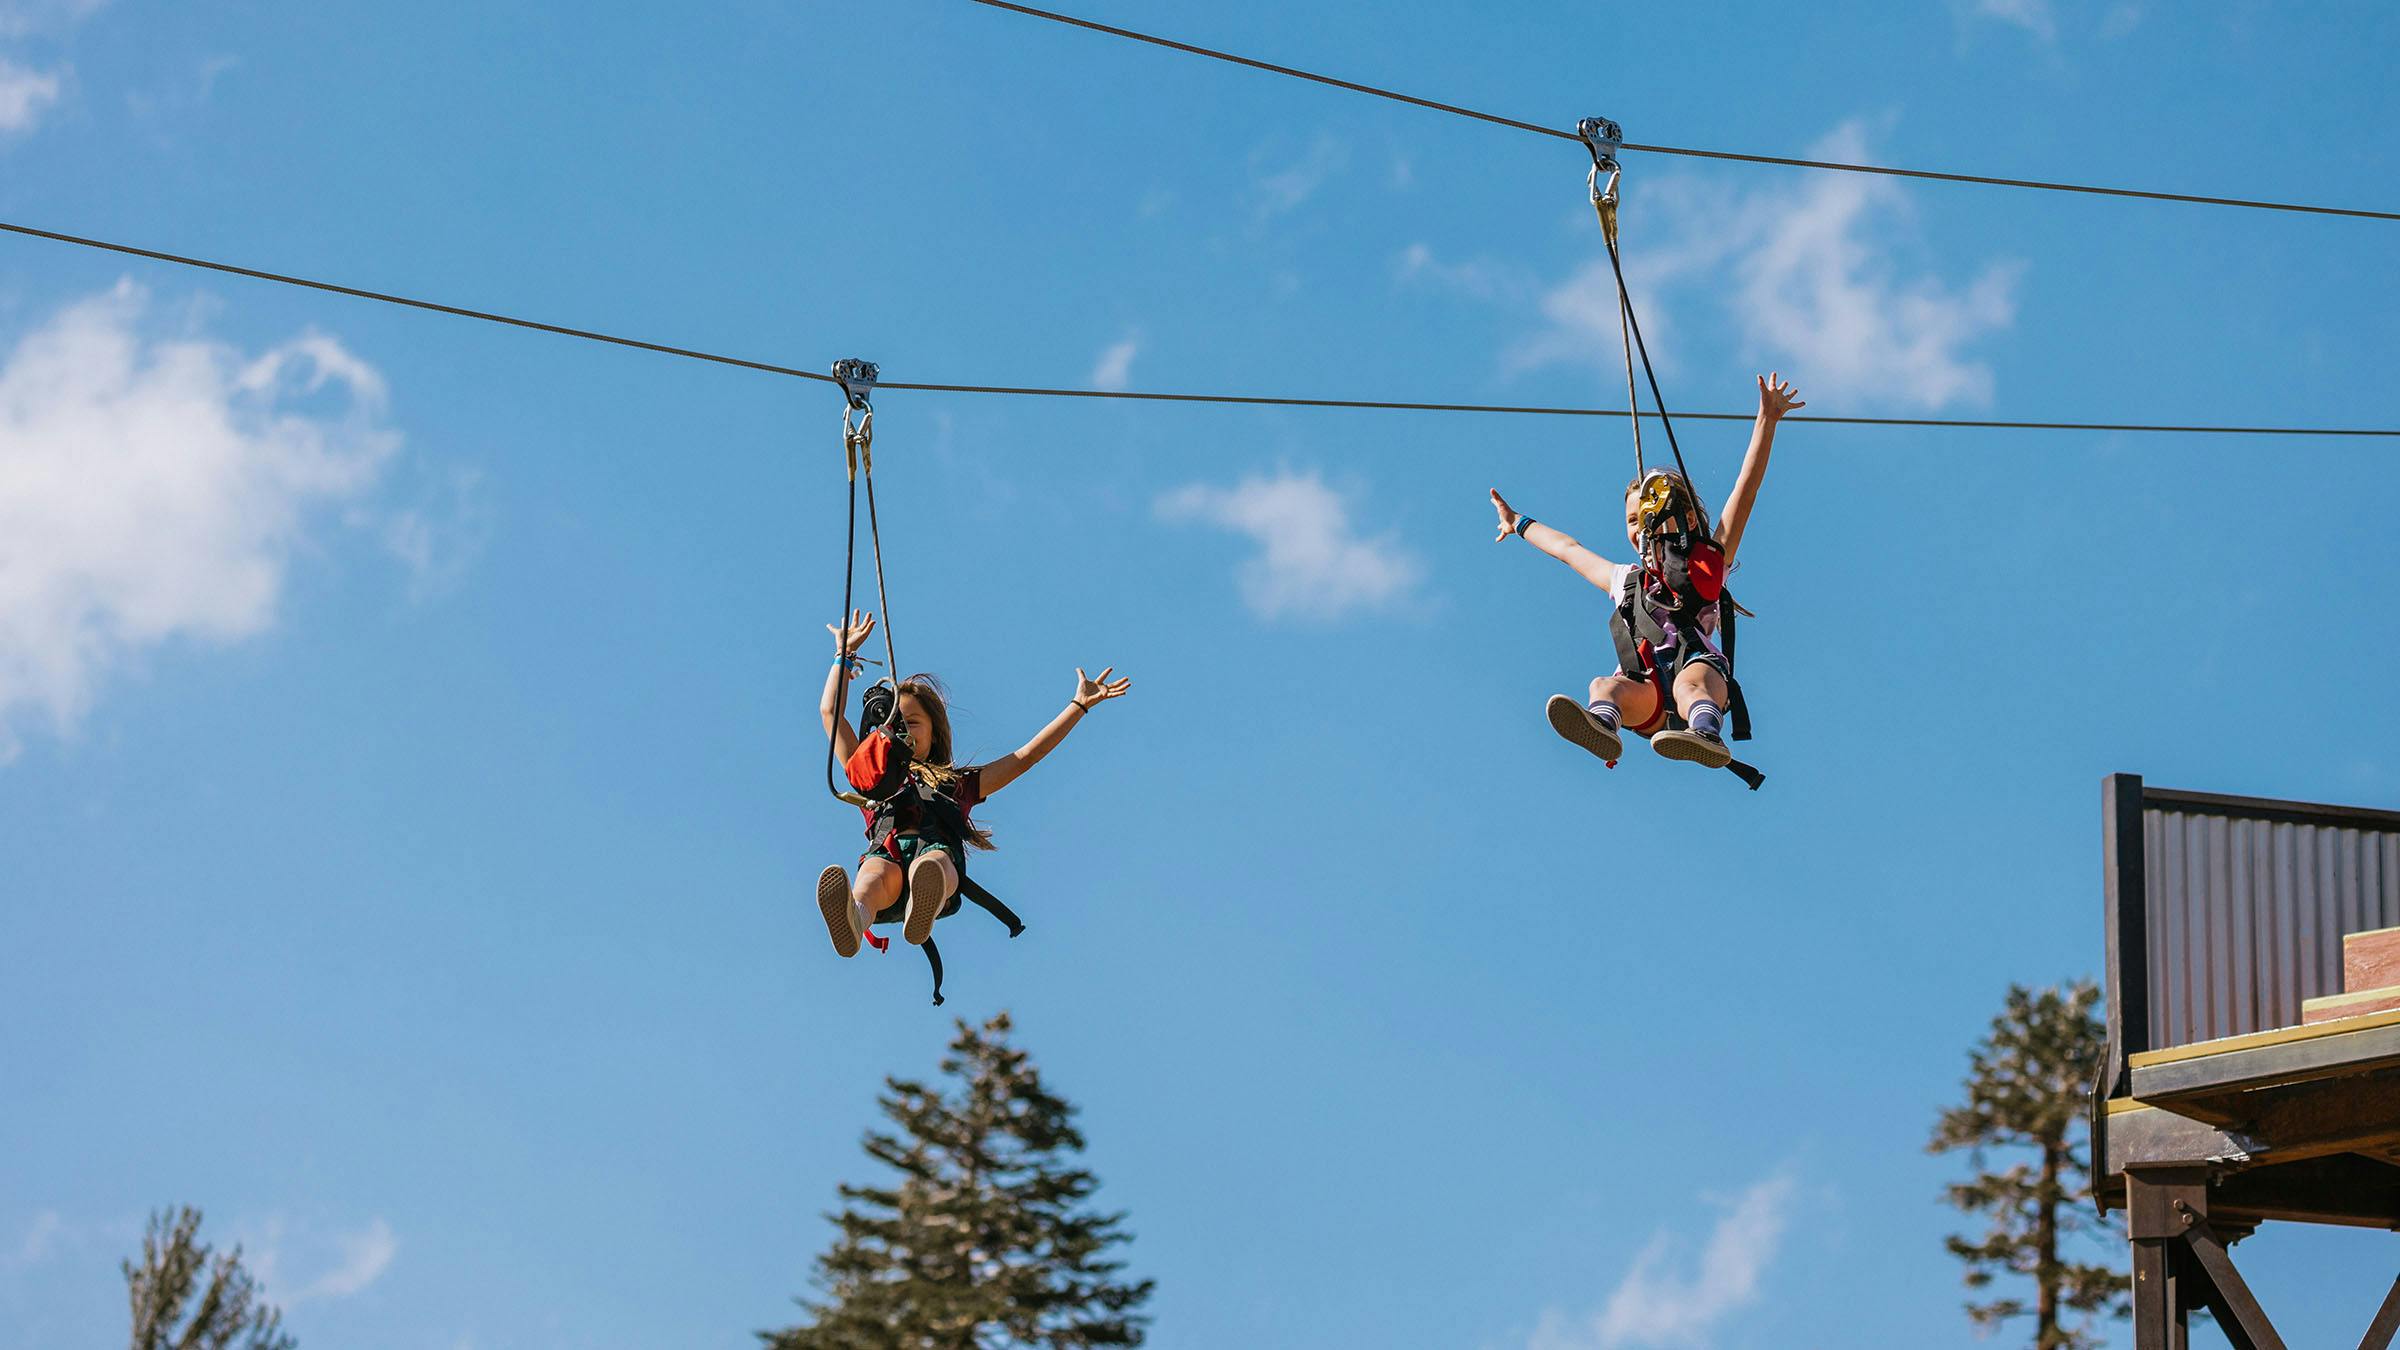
{"points": [[365, 1256], [352, 1261], [439, 537], [1812, 279], [1474, 278], [1115, 366], [2033, 16], [1310, 564], [2046, 21], [156, 488], [40, 1237], [1284, 188], [1657, 1304], [25, 92]]}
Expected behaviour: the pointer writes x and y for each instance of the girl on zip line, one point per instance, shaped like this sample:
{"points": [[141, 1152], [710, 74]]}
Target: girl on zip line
{"points": [[918, 836], [1673, 624]]}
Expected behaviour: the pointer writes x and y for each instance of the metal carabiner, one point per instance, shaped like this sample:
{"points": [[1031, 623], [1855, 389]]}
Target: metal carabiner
{"points": [[857, 379], [858, 439], [1603, 138]]}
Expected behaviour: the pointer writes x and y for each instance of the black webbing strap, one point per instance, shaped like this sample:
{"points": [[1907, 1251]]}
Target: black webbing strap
{"points": [[933, 957], [989, 904]]}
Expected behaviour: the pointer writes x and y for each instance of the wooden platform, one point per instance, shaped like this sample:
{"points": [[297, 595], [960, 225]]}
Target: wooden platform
{"points": [[2300, 1123]]}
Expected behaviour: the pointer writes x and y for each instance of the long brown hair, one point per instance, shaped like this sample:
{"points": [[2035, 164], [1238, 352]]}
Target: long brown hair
{"points": [[931, 763]]}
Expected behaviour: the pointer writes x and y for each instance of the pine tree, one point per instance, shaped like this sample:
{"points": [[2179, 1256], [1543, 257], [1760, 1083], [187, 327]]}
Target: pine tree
{"points": [[2028, 1090], [228, 1314], [981, 1243]]}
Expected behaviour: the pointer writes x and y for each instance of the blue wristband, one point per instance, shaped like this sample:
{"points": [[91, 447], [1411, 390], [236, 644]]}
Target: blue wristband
{"points": [[1524, 523]]}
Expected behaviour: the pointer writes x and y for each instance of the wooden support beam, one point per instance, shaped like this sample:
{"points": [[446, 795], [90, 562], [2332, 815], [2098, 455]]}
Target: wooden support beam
{"points": [[2342, 1189], [2153, 1294], [2386, 1323], [2236, 1308], [2351, 1115]]}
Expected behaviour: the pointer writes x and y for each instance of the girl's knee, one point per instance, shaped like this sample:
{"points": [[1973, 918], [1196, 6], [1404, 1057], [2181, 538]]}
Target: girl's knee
{"points": [[874, 885]]}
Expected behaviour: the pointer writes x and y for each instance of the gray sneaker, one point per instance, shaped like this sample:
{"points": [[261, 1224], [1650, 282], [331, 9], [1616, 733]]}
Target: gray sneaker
{"points": [[1575, 722], [1706, 751]]}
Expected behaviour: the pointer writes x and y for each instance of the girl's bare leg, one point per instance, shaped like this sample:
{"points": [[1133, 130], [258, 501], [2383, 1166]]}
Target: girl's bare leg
{"points": [[1595, 726], [1700, 700], [875, 888], [1636, 701]]}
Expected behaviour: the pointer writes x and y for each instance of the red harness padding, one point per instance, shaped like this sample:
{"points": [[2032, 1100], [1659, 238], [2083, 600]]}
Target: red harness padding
{"points": [[1704, 570], [879, 766]]}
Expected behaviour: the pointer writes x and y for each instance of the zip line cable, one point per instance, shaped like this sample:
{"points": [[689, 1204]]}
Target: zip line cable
{"points": [[1538, 129], [1143, 396], [438, 308]]}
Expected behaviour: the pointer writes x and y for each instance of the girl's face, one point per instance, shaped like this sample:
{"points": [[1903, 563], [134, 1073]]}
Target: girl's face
{"points": [[1633, 519], [920, 726]]}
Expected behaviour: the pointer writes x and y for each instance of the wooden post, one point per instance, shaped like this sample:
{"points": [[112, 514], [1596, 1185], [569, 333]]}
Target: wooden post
{"points": [[2386, 1323]]}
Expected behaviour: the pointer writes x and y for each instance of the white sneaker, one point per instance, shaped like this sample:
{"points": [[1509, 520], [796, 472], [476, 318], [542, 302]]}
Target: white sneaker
{"points": [[841, 916], [1575, 722]]}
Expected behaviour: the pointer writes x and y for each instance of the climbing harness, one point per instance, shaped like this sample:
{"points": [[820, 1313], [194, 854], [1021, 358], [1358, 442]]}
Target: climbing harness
{"points": [[920, 809], [879, 769], [1680, 573]]}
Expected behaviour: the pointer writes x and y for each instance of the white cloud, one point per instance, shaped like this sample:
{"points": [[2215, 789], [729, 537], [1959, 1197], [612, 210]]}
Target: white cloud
{"points": [[2045, 20], [1812, 278], [155, 488], [437, 539], [1115, 365], [1278, 191], [24, 94], [1476, 278], [1658, 1306], [1310, 564], [40, 1237], [355, 1260], [2031, 15], [20, 18], [365, 1256]]}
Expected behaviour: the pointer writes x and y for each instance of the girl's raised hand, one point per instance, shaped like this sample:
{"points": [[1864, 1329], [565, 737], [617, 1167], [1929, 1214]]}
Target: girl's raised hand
{"points": [[850, 636], [1508, 516], [1089, 691], [1775, 398]]}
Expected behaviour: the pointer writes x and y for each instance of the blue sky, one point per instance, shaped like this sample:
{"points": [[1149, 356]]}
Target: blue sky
{"points": [[411, 789]]}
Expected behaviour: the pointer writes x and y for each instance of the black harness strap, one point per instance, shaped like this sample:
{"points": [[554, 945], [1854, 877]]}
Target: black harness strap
{"points": [[990, 904], [933, 957]]}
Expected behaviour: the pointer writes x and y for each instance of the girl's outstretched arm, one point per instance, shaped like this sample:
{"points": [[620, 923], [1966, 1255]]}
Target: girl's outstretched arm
{"points": [[1558, 544], [847, 639], [1775, 398], [1088, 692]]}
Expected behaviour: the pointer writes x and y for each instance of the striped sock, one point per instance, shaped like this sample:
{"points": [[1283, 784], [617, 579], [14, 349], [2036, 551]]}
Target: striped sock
{"points": [[1606, 712], [1703, 717]]}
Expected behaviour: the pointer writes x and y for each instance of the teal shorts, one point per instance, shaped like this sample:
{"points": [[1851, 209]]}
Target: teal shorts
{"points": [[911, 847]]}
